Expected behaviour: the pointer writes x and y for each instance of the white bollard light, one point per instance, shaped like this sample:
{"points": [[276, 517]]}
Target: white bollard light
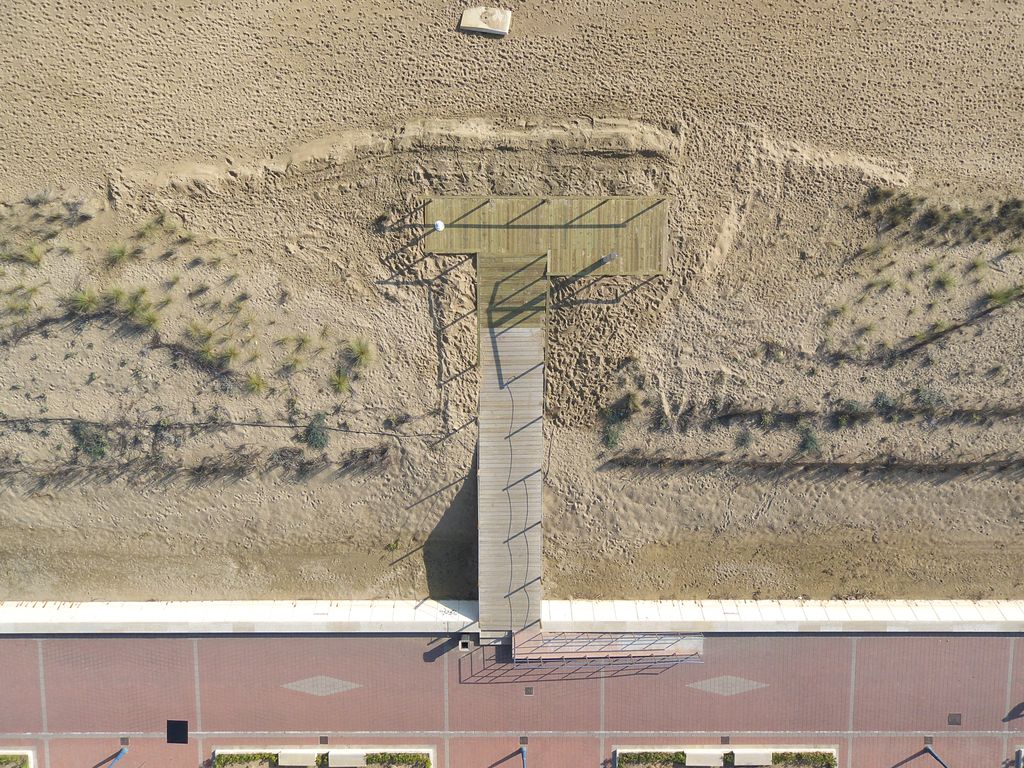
{"points": [[439, 226]]}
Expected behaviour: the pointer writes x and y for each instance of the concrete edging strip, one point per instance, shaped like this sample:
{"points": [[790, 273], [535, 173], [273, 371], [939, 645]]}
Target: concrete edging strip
{"points": [[454, 616], [239, 617], [783, 615]]}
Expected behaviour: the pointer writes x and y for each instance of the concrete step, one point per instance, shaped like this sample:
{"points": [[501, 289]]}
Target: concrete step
{"points": [[495, 637]]}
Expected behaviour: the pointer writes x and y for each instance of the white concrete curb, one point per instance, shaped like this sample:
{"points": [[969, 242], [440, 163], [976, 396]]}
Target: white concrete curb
{"points": [[783, 615], [450, 617], [239, 617]]}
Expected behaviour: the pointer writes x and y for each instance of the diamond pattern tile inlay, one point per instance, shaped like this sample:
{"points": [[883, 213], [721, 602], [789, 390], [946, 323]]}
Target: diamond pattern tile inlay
{"points": [[727, 685], [321, 685]]}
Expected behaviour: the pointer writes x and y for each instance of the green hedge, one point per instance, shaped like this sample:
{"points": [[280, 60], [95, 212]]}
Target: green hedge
{"points": [[14, 761], [805, 759], [651, 758], [794, 759], [387, 759], [414, 759], [221, 761]]}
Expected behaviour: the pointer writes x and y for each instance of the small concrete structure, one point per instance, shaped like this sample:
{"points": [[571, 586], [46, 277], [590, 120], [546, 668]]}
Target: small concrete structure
{"points": [[297, 758], [707, 757], [745, 758], [490, 21], [346, 758]]}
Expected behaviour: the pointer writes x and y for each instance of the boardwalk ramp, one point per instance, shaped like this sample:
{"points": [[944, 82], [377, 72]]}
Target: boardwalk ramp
{"points": [[511, 302]]}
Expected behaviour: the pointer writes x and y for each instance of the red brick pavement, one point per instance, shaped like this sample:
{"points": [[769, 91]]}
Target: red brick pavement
{"points": [[117, 684], [20, 707], [762, 690], [241, 683], [914, 683], [787, 670]]}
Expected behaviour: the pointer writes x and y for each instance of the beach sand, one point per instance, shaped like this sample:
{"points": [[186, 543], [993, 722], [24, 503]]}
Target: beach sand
{"points": [[824, 391]]}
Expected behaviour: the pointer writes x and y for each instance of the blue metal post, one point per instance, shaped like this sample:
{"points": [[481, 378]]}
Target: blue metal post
{"points": [[522, 754], [123, 751]]}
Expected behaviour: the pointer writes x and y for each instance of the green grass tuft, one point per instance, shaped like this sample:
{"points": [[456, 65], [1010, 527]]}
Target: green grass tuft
{"points": [[361, 353], [315, 435], [120, 253], [808, 443], [1002, 297], [255, 384], [90, 439], [82, 301], [31, 256], [340, 381]]}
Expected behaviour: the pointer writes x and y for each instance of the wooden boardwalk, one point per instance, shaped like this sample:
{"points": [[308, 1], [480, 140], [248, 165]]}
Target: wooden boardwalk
{"points": [[519, 242], [511, 298]]}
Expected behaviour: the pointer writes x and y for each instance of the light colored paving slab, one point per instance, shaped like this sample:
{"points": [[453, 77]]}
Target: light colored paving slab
{"points": [[783, 616], [239, 616]]}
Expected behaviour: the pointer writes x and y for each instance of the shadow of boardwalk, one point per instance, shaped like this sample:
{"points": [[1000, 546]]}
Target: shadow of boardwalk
{"points": [[492, 664], [450, 551]]}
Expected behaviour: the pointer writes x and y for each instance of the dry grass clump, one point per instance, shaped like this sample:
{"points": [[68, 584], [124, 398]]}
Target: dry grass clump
{"points": [[31, 256], [134, 308], [255, 384], [361, 353], [82, 301], [341, 381], [1002, 297], [120, 253], [357, 355], [944, 282]]}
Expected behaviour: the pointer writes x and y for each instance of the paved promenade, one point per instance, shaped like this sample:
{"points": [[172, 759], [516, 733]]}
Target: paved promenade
{"points": [[876, 698]]}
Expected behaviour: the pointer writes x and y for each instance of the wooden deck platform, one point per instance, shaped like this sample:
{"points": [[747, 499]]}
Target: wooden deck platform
{"points": [[577, 231], [511, 300]]}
